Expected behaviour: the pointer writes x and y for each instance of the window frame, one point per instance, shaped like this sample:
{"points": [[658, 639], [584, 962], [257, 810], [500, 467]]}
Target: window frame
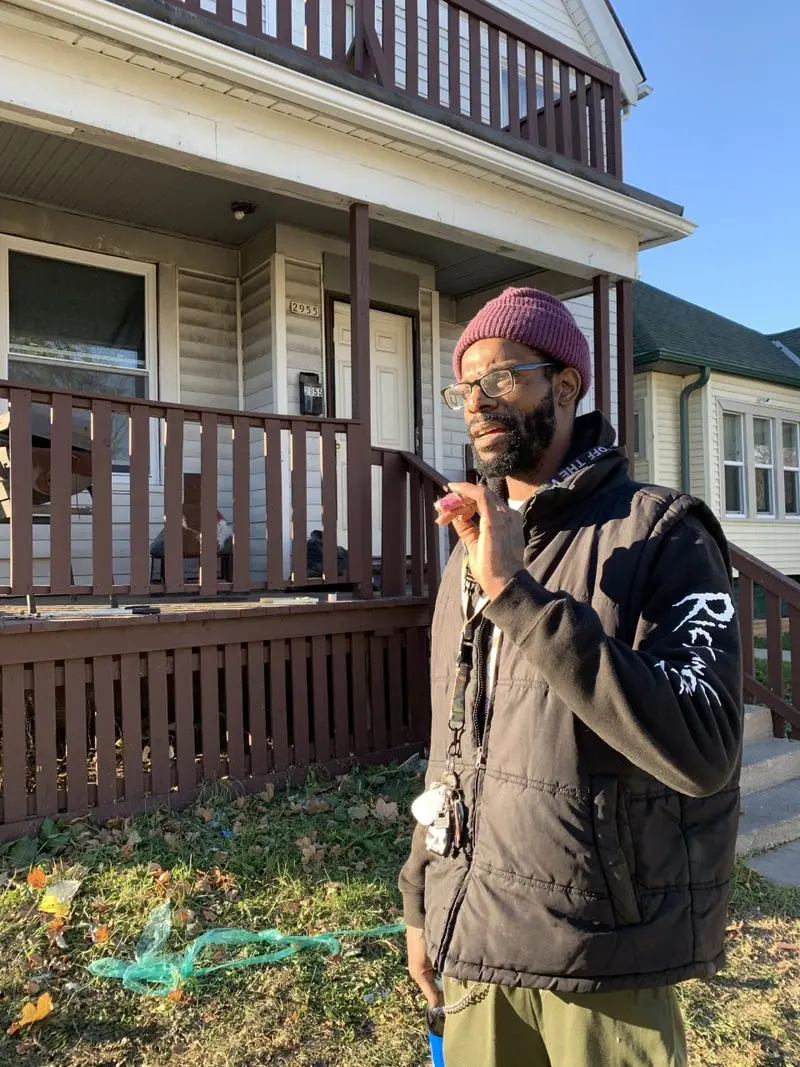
{"points": [[770, 467], [740, 465], [99, 260], [776, 416], [793, 469]]}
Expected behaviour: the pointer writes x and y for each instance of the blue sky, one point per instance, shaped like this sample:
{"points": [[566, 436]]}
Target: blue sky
{"points": [[721, 135]]}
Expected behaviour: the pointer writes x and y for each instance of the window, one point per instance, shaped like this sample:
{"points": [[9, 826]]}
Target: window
{"points": [[762, 462], [733, 453], [637, 434], [790, 432], [77, 325]]}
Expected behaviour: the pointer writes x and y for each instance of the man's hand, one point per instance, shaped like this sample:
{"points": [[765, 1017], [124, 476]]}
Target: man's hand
{"points": [[420, 967], [495, 547]]}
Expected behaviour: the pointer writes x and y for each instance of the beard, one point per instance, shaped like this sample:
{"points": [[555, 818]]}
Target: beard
{"points": [[528, 438]]}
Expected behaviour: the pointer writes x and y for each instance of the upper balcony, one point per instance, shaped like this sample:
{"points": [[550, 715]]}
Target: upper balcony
{"points": [[464, 64]]}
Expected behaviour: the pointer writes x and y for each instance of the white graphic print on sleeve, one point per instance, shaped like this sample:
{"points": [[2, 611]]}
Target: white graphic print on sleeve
{"points": [[705, 613]]}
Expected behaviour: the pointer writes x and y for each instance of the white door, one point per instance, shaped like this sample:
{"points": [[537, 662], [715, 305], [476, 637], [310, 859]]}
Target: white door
{"points": [[391, 381]]}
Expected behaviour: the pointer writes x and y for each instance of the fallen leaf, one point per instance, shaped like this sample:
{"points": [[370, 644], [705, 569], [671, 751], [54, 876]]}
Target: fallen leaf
{"points": [[134, 838], [32, 988], [316, 807], [37, 879], [360, 866], [240, 802], [206, 814], [99, 934], [54, 928], [155, 870], [33, 1013], [358, 812], [268, 792], [386, 810], [786, 946], [734, 929], [175, 995], [209, 915]]}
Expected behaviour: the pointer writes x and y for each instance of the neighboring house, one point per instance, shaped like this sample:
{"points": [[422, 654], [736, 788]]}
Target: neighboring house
{"points": [[238, 240], [717, 413]]}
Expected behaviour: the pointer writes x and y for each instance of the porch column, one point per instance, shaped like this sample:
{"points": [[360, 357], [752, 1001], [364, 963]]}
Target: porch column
{"points": [[359, 452], [625, 365], [602, 346]]}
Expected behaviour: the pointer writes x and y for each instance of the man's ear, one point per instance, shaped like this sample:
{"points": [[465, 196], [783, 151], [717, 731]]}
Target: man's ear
{"points": [[568, 387]]}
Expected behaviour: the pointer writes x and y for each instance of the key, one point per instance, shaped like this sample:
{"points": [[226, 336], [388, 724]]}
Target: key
{"points": [[439, 838], [459, 822]]}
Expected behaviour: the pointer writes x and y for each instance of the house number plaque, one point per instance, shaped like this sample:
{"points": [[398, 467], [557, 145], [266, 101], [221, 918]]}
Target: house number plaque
{"points": [[308, 311]]}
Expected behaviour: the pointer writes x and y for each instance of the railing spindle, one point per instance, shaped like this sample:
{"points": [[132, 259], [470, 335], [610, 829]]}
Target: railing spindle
{"points": [[339, 31], [746, 626], [102, 519], [475, 71], [241, 504], [140, 500], [417, 535], [299, 505], [794, 653], [172, 576], [330, 563], [549, 111], [274, 479], [495, 109], [61, 495], [209, 447], [225, 11], [532, 95], [564, 125], [774, 653], [513, 86], [595, 102], [434, 95], [312, 27], [393, 526], [454, 57], [581, 120], [284, 21], [21, 457], [255, 17]]}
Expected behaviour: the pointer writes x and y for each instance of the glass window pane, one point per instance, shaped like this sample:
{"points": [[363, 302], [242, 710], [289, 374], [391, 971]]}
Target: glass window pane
{"points": [[637, 444], [763, 491], [791, 490], [762, 441], [732, 432], [68, 311], [791, 451], [734, 496]]}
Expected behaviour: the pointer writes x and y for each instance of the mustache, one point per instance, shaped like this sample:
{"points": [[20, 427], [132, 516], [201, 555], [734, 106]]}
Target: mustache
{"points": [[507, 421]]}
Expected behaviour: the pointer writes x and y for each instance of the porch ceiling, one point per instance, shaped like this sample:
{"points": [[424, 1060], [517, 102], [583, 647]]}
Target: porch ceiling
{"points": [[76, 176]]}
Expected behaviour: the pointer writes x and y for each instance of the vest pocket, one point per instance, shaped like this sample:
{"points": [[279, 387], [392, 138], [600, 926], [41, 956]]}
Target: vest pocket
{"points": [[606, 810]]}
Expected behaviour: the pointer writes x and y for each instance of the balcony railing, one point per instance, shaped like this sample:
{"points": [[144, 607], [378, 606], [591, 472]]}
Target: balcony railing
{"points": [[475, 66], [115, 497]]}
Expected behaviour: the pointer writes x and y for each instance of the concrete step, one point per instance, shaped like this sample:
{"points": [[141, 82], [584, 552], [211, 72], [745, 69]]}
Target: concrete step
{"points": [[770, 817], [768, 763], [782, 865], [757, 722]]}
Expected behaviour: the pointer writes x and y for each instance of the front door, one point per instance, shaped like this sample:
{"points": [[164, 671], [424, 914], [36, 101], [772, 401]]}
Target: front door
{"points": [[392, 396]]}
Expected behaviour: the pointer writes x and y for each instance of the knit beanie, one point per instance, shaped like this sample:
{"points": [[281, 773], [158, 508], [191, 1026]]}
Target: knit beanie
{"points": [[533, 318]]}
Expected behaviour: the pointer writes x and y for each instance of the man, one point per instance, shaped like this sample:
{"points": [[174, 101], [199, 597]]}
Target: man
{"points": [[575, 852]]}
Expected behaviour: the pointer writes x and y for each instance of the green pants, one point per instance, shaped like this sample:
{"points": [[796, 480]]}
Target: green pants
{"points": [[504, 1027]]}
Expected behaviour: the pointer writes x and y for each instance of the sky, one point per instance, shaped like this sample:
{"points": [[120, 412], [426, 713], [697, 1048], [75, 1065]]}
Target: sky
{"points": [[720, 135]]}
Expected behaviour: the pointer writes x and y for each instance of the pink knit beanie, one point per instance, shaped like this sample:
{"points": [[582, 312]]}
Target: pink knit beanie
{"points": [[533, 318]]}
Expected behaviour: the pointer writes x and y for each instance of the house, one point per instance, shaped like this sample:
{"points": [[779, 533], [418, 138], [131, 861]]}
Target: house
{"points": [[717, 412], [238, 239]]}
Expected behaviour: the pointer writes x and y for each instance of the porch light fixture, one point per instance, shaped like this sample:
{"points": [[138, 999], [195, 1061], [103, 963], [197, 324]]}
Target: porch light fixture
{"points": [[242, 208]]}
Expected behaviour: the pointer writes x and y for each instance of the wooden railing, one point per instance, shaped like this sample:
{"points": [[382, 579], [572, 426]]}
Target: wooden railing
{"points": [[775, 679], [464, 58], [114, 496]]}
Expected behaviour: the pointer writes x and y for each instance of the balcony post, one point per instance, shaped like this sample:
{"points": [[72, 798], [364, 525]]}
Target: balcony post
{"points": [[602, 346], [359, 460]]}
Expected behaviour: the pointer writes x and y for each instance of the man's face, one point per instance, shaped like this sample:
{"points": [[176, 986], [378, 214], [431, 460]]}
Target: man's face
{"points": [[510, 434]]}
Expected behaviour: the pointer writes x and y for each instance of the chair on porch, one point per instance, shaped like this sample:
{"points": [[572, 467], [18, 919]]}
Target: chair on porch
{"points": [[192, 492]]}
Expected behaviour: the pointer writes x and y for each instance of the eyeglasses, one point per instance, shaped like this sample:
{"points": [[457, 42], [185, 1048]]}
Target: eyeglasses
{"points": [[495, 383]]}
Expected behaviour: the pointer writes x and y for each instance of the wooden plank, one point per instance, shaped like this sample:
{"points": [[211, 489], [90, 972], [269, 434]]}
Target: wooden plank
{"points": [[625, 366], [75, 733], [274, 476], [794, 651], [173, 503], [475, 70], [431, 539], [319, 690], [15, 756], [397, 728], [453, 57], [284, 21], [184, 718], [312, 27], [341, 716], [257, 709], [209, 444], [339, 31], [417, 534], [299, 505], [434, 88], [44, 701], [359, 461], [358, 671], [356, 561], [549, 108], [20, 450], [241, 504], [104, 728], [389, 39], [377, 694], [102, 536], [131, 714], [512, 59], [774, 643], [61, 494], [602, 345], [581, 120], [495, 110], [531, 82], [234, 717], [419, 719], [255, 17], [594, 99], [299, 710], [612, 95], [330, 566], [225, 11], [564, 124], [412, 47], [278, 705], [158, 716], [745, 614], [209, 710], [140, 500], [393, 529]]}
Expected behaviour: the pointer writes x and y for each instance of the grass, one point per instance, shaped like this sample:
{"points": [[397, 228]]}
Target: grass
{"points": [[323, 859], [761, 642], [760, 666]]}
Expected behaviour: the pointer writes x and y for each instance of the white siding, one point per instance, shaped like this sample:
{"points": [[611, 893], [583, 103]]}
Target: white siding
{"points": [[643, 463], [454, 433], [582, 308], [666, 429], [426, 357], [258, 396]]}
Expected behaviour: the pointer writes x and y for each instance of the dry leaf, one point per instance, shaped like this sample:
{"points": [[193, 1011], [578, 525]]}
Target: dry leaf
{"points": [[134, 838], [240, 802], [734, 929], [358, 813], [786, 946], [175, 996], [209, 915], [154, 870], [99, 934], [32, 988], [268, 792], [316, 807], [361, 866], [206, 814], [386, 810], [32, 1013], [37, 879]]}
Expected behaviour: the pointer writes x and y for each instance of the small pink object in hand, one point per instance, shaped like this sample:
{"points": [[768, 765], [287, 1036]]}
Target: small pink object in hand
{"points": [[451, 502]]}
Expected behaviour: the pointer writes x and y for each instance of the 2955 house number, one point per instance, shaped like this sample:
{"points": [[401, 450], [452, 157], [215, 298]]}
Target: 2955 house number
{"points": [[309, 311]]}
